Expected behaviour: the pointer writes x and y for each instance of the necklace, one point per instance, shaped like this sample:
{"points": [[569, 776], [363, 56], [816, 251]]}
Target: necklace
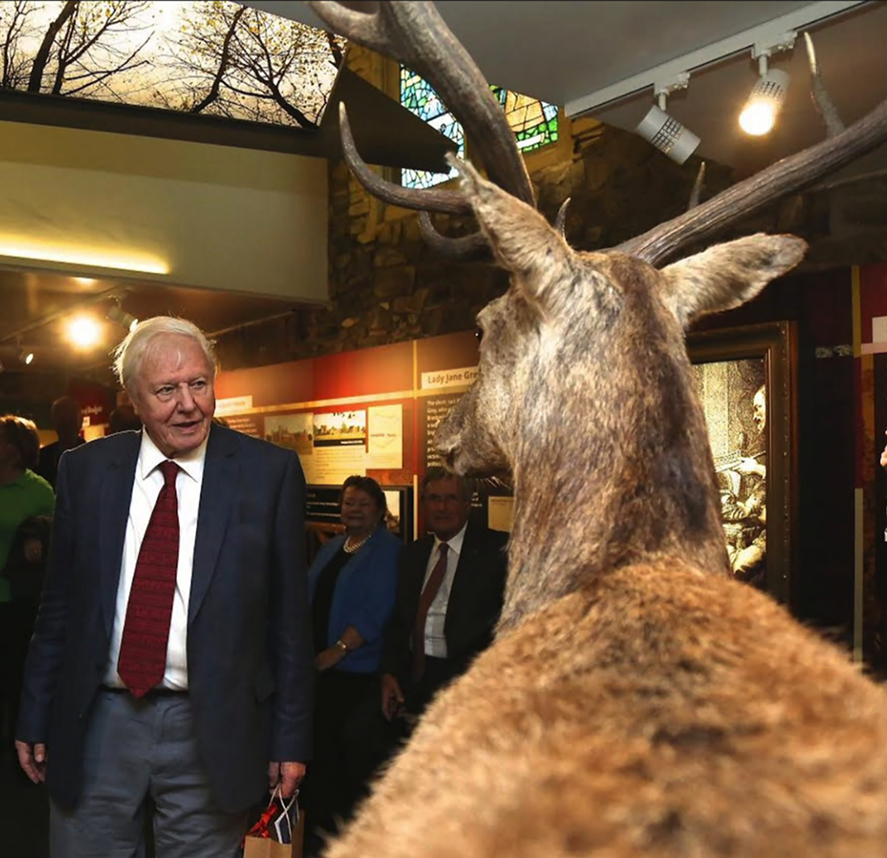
{"points": [[350, 547]]}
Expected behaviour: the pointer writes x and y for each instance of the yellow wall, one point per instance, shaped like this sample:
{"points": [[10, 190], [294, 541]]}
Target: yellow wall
{"points": [[213, 216]]}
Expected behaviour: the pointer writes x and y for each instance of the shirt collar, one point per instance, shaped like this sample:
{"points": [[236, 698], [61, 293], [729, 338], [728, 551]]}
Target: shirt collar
{"points": [[150, 458], [454, 544]]}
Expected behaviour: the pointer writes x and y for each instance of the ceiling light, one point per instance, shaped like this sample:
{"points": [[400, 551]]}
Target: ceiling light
{"points": [[84, 331], [665, 132], [765, 100], [82, 257], [26, 356]]}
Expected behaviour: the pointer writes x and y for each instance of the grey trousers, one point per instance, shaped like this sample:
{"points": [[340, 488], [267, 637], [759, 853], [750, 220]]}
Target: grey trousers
{"points": [[136, 748]]}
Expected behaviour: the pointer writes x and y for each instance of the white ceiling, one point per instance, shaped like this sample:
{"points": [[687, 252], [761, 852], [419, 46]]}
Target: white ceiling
{"points": [[603, 58]]}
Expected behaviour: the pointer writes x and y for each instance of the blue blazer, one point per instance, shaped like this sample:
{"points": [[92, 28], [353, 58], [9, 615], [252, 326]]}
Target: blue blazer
{"points": [[364, 596], [250, 664]]}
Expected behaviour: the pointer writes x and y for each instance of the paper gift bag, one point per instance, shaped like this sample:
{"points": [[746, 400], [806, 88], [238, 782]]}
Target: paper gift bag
{"points": [[265, 847], [278, 833]]}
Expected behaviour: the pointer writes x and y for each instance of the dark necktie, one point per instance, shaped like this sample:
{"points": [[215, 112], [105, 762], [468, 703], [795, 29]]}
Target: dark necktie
{"points": [[142, 660], [435, 579]]}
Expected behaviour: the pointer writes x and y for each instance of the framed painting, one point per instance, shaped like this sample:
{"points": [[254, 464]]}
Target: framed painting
{"points": [[747, 382]]}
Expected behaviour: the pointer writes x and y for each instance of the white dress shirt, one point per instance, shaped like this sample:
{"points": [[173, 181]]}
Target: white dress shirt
{"points": [[435, 642], [146, 487]]}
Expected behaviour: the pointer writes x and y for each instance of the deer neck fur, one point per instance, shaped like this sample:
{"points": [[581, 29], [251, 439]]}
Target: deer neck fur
{"points": [[619, 471]]}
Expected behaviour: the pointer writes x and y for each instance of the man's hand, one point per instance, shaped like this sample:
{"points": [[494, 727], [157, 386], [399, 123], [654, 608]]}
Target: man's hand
{"points": [[32, 759], [392, 696], [288, 775]]}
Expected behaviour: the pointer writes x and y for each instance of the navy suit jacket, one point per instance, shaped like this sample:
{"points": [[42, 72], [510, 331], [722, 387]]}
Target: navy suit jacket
{"points": [[250, 670], [472, 610]]}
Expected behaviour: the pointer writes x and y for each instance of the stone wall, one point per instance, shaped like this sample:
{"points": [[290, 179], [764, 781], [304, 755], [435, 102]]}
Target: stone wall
{"points": [[386, 286]]}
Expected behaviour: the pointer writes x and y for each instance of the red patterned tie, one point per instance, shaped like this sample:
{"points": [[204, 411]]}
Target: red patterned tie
{"points": [[435, 579], [142, 661]]}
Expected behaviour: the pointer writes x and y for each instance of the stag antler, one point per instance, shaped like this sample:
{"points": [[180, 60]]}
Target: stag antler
{"points": [[416, 35], [698, 185], [789, 175], [821, 99]]}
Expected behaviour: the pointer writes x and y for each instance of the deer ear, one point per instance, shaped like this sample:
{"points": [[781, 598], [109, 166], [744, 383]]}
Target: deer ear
{"points": [[522, 241], [727, 275]]}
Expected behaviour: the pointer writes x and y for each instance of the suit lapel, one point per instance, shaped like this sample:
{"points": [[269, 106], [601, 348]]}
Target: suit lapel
{"points": [[217, 496], [113, 512]]}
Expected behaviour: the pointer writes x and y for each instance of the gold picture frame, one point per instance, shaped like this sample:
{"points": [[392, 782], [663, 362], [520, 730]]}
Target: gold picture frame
{"points": [[747, 382]]}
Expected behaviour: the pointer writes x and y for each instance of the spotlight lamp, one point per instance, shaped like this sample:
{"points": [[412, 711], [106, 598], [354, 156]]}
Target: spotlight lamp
{"points": [[117, 314], [765, 100], [22, 353], [663, 131]]}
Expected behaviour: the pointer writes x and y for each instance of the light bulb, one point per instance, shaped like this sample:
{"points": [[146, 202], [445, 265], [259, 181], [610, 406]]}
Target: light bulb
{"points": [[764, 103], [84, 332]]}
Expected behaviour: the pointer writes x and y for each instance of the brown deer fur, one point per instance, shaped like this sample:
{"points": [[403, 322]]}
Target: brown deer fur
{"points": [[637, 701]]}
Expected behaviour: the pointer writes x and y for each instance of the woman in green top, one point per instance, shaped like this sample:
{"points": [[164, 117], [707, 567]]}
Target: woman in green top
{"points": [[23, 495]]}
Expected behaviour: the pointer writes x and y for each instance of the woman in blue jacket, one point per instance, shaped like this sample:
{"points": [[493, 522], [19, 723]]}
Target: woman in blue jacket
{"points": [[353, 583]]}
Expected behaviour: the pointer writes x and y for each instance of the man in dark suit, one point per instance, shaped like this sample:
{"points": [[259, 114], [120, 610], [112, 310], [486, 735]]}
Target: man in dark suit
{"points": [[461, 614], [448, 603], [171, 660]]}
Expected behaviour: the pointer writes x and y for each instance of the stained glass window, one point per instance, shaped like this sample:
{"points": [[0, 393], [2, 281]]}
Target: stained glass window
{"points": [[417, 96], [533, 122]]}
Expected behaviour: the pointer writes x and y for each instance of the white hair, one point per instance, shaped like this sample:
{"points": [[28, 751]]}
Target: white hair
{"points": [[128, 356]]}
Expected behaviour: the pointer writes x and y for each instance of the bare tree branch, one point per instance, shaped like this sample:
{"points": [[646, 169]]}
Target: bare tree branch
{"points": [[234, 60], [91, 31], [96, 77], [42, 58], [63, 52], [14, 24], [224, 61], [335, 50]]}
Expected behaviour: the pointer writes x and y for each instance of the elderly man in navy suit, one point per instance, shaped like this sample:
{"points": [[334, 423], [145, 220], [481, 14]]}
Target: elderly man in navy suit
{"points": [[171, 657]]}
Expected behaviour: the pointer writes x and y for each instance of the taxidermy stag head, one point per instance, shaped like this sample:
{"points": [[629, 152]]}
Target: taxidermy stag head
{"points": [[637, 700], [584, 384]]}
